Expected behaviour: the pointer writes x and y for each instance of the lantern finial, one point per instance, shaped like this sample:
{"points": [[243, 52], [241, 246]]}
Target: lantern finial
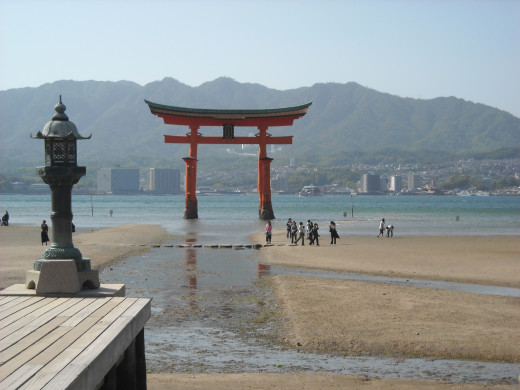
{"points": [[60, 112]]}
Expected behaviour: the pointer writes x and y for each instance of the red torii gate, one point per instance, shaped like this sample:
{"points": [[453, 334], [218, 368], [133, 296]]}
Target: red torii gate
{"points": [[228, 119]]}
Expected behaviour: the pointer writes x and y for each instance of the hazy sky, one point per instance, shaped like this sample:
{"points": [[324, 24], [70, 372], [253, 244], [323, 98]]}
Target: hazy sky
{"points": [[420, 49]]}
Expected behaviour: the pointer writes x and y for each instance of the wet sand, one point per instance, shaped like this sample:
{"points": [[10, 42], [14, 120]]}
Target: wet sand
{"points": [[314, 309], [360, 318], [491, 260]]}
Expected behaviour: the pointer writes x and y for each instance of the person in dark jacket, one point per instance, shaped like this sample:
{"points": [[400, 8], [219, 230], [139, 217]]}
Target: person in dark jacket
{"points": [[45, 232], [333, 232]]}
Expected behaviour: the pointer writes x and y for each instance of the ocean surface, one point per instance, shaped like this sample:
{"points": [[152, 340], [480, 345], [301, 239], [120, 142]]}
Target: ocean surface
{"points": [[236, 216]]}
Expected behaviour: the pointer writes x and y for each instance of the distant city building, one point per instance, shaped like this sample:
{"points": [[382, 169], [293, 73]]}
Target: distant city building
{"points": [[383, 184], [118, 180], [414, 181], [395, 184], [165, 181], [370, 183], [280, 183]]}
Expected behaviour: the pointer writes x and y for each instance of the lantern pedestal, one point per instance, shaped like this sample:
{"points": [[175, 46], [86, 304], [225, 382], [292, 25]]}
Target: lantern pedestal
{"points": [[61, 277]]}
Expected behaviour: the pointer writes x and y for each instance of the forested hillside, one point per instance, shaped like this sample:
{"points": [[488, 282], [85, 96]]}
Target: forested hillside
{"points": [[345, 122]]}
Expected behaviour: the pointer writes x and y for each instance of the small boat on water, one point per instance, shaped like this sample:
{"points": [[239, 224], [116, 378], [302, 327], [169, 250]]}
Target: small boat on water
{"points": [[465, 193], [311, 190]]}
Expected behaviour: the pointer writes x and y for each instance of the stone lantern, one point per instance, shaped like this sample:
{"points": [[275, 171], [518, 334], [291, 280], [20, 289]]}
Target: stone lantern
{"points": [[62, 269]]}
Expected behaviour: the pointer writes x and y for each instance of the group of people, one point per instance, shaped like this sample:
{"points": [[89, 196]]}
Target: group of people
{"points": [[382, 227], [299, 232]]}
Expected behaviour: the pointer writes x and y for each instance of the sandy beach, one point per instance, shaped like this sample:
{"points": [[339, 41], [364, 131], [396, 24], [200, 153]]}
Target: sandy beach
{"points": [[361, 318], [20, 246], [345, 317]]}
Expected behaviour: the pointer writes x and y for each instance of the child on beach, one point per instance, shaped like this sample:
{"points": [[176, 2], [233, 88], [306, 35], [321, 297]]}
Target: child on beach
{"points": [[268, 232]]}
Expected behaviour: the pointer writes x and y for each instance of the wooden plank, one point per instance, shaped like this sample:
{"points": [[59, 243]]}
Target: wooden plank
{"points": [[11, 365], [15, 305], [92, 364], [37, 314], [26, 337], [6, 299], [140, 314], [86, 311], [45, 329], [47, 352], [67, 356], [14, 381], [32, 329], [32, 311]]}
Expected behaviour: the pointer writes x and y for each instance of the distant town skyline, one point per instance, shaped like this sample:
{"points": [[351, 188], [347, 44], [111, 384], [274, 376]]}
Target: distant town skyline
{"points": [[418, 49]]}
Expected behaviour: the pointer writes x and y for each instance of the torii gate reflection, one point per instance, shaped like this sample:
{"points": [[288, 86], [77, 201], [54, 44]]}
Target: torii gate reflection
{"points": [[228, 119]]}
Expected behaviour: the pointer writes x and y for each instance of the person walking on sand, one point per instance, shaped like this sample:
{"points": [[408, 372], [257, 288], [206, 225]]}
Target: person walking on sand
{"points": [[268, 232], [315, 234], [381, 228], [301, 232], [309, 227], [288, 225], [44, 232], [333, 232]]}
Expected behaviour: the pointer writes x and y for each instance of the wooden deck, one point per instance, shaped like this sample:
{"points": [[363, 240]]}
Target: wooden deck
{"points": [[72, 343]]}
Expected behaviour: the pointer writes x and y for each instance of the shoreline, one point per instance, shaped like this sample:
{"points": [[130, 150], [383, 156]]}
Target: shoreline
{"points": [[487, 260], [318, 313]]}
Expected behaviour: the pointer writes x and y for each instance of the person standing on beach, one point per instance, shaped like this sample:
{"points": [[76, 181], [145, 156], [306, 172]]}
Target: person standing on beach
{"points": [[44, 232], [381, 228], [301, 231], [315, 234], [333, 232], [294, 230], [268, 232], [289, 225]]}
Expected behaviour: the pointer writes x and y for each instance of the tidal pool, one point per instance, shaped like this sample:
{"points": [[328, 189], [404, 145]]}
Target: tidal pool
{"points": [[212, 312]]}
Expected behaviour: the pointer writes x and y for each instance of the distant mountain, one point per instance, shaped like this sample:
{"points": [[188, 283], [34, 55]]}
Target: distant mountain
{"points": [[344, 119]]}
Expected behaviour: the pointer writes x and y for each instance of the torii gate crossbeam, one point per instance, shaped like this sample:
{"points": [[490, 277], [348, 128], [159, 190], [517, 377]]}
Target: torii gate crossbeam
{"points": [[228, 119]]}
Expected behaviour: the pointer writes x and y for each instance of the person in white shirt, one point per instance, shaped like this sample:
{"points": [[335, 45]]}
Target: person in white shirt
{"points": [[381, 228], [301, 232]]}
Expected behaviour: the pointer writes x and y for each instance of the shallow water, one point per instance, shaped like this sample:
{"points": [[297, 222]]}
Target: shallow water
{"points": [[213, 313]]}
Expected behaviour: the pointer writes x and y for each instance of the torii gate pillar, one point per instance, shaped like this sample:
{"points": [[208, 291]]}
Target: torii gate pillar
{"points": [[190, 204], [265, 207]]}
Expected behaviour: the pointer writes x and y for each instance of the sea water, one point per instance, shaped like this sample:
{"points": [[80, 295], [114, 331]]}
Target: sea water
{"points": [[236, 216]]}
